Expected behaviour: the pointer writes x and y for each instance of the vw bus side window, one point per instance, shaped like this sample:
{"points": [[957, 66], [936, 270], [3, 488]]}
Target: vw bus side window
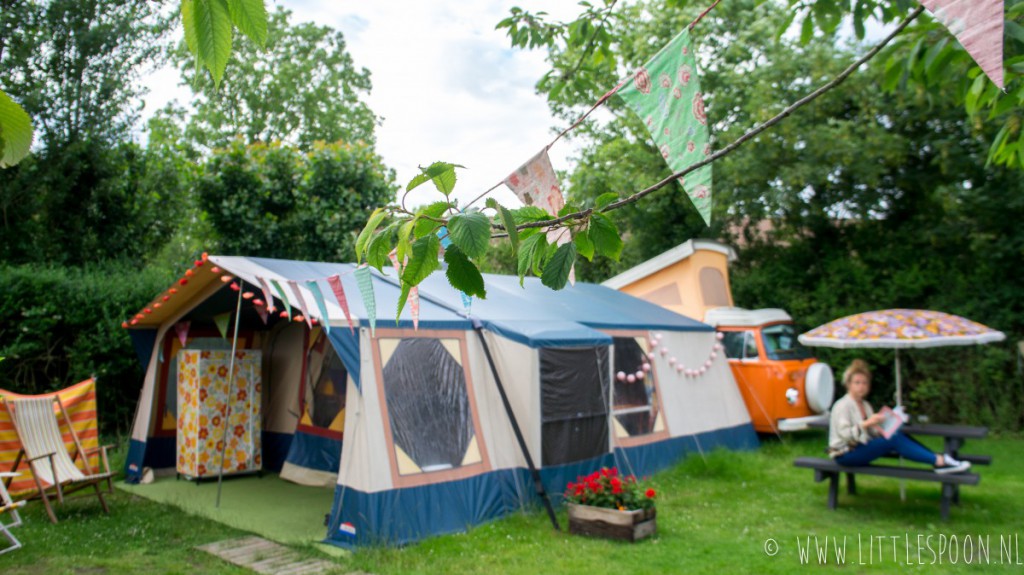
{"points": [[739, 344], [780, 343]]}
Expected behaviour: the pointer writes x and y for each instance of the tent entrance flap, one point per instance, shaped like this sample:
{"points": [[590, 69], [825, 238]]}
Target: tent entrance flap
{"points": [[574, 386]]}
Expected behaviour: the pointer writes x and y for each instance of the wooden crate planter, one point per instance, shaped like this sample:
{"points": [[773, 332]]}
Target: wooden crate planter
{"points": [[612, 523]]}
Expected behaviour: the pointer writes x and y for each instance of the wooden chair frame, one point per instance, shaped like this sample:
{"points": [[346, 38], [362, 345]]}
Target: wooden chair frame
{"points": [[63, 488], [9, 505]]}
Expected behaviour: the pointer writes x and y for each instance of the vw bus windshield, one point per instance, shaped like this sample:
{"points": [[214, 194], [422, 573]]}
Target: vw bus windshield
{"points": [[780, 343]]}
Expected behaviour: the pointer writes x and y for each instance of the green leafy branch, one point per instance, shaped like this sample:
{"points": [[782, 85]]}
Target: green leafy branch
{"points": [[210, 24]]}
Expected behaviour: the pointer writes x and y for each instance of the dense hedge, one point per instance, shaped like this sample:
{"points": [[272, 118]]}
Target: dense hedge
{"points": [[58, 326]]}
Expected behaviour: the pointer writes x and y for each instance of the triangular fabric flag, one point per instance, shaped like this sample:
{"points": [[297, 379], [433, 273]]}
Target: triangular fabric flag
{"points": [[264, 313], [413, 299], [467, 302], [665, 93], [339, 294], [302, 303], [182, 330], [318, 297], [222, 321], [536, 184], [282, 296], [365, 282], [978, 26], [268, 296]]}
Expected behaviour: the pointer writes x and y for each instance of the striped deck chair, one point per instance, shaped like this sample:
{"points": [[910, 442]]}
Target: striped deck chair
{"points": [[42, 445], [7, 505]]}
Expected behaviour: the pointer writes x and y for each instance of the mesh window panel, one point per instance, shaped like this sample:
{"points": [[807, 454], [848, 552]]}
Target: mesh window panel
{"points": [[431, 418], [630, 358], [328, 397], [574, 404]]}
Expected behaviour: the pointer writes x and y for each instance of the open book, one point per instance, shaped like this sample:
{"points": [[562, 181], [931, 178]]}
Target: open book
{"points": [[891, 423]]}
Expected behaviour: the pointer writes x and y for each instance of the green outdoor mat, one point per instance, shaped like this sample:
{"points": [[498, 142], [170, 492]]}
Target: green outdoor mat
{"points": [[268, 506]]}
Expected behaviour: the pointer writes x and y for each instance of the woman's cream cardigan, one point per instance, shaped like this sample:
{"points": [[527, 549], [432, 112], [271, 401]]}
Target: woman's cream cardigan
{"points": [[845, 431]]}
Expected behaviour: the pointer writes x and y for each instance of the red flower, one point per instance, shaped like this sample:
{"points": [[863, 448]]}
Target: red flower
{"points": [[240, 431], [203, 433], [616, 485], [698, 109], [242, 395], [642, 81], [650, 493]]}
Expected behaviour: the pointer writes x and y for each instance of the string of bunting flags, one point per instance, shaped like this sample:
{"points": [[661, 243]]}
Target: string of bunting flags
{"points": [[270, 287]]}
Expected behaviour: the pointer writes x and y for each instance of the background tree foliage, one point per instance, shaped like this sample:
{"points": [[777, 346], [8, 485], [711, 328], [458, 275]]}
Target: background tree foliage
{"points": [[301, 87], [276, 201]]}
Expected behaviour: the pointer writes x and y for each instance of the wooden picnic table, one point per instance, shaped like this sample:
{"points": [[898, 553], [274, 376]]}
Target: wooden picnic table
{"points": [[953, 437]]}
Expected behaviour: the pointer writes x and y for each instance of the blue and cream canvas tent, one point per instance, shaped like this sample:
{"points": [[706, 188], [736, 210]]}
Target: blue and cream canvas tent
{"points": [[429, 430]]}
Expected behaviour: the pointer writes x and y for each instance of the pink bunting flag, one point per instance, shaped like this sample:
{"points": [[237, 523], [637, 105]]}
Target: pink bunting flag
{"points": [[182, 329], [339, 294], [264, 314], [302, 302], [978, 25], [413, 299], [535, 184], [268, 296]]}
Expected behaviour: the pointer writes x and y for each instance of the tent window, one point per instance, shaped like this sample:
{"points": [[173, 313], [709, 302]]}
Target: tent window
{"points": [[325, 396], [635, 403], [712, 287], [574, 404], [431, 416]]}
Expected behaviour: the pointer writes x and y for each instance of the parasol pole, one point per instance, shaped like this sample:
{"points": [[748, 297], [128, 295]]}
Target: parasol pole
{"points": [[899, 384], [899, 402]]}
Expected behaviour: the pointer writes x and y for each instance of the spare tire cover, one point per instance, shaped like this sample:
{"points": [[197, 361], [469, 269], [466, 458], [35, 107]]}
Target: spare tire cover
{"points": [[819, 387]]}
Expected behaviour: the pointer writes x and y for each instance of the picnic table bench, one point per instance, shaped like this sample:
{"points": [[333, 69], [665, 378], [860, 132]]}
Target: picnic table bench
{"points": [[953, 438], [829, 469]]}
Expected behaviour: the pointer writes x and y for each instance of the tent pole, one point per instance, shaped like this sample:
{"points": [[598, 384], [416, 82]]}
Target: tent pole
{"points": [[227, 410], [538, 485]]}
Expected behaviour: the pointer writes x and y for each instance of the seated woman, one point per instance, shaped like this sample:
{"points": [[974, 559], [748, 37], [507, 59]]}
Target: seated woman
{"points": [[855, 439]]}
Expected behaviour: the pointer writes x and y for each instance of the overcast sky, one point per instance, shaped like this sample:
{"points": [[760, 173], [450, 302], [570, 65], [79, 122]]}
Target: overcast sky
{"points": [[446, 82]]}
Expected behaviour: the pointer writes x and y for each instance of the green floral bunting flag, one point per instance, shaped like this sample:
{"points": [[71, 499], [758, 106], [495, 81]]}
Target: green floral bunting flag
{"points": [[666, 94], [222, 321], [365, 283]]}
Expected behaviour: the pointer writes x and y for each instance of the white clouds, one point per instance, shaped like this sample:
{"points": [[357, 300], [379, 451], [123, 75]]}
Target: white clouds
{"points": [[447, 84]]}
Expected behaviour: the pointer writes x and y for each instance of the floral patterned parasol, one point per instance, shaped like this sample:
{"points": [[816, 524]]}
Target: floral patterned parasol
{"points": [[900, 328]]}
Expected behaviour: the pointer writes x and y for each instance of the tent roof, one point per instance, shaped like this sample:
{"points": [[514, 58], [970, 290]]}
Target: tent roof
{"points": [[536, 316]]}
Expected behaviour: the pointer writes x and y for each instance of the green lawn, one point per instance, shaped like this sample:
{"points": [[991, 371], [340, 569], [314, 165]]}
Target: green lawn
{"points": [[713, 517]]}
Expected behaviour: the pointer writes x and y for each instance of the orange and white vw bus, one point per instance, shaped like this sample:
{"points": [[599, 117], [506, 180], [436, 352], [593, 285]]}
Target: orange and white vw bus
{"points": [[783, 385]]}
